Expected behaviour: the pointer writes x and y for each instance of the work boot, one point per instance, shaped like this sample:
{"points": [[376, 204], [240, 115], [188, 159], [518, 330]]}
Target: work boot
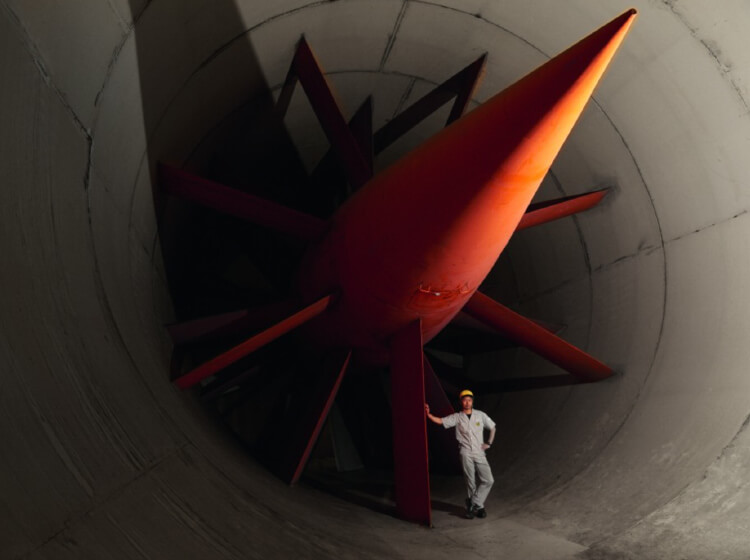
{"points": [[479, 512]]}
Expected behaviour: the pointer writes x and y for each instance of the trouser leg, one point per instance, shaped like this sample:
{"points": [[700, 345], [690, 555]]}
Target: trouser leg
{"points": [[486, 480], [469, 475]]}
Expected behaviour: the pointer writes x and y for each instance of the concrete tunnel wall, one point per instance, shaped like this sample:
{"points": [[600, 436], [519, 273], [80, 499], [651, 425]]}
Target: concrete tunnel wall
{"points": [[104, 458]]}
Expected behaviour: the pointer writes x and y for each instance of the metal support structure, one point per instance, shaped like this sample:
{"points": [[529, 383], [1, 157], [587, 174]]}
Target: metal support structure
{"points": [[230, 201], [458, 340], [461, 86], [310, 420], [465, 335], [457, 378], [224, 324], [307, 71], [204, 327], [218, 389], [327, 177], [410, 456], [361, 127], [534, 337], [550, 210], [253, 343]]}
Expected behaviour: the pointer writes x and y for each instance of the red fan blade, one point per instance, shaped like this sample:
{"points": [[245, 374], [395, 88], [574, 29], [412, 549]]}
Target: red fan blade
{"points": [[550, 210], [253, 343], [229, 323], [527, 333], [461, 85], [237, 203], [307, 70], [311, 418]]}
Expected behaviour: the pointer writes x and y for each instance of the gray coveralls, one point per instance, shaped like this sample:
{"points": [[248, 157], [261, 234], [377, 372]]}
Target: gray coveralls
{"points": [[470, 436]]}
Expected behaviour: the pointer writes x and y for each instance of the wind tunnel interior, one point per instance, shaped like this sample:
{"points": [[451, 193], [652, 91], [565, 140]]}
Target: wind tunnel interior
{"points": [[105, 458]]}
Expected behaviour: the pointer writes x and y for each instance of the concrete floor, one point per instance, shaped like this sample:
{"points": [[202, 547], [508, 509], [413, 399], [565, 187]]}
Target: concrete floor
{"points": [[104, 458]]}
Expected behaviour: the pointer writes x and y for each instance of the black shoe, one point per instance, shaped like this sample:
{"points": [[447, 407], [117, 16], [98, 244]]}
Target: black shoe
{"points": [[469, 509], [479, 512]]}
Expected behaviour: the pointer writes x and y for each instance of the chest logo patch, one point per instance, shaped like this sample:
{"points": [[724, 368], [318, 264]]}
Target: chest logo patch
{"points": [[477, 423]]}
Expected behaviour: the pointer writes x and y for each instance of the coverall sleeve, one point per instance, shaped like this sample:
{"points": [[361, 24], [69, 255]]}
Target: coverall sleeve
{"points": [[450, 421]]}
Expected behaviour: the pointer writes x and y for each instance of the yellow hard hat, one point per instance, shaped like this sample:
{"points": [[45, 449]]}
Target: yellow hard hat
{"points": [[465, 393]]}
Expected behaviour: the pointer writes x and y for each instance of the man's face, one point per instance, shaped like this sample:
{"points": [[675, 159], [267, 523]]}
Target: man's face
{"points": [[467, 403]]}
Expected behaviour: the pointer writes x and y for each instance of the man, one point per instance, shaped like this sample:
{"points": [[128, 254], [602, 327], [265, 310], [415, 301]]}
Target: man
{"points": [[470, 425]]}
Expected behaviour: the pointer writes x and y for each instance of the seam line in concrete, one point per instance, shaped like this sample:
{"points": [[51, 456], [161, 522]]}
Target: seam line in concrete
{"points": [[128, 537], [39, 62], [392, 36], [127, 30], [105, 499], [709, 226], [227, 44], [722, 68], [647, 250], [404, 98], [111, 65], [123, 24], [480, 17]]}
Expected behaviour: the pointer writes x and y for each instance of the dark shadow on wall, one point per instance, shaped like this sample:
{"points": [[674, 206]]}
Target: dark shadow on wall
{"points": [[212, 259], [217, 263]]}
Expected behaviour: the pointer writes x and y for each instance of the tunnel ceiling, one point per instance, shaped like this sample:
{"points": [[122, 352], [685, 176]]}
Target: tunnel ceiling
{"points": [[103, 452]]}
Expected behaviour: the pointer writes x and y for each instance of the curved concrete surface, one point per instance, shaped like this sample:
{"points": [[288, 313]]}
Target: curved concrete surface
{"points": [[103, 458]]}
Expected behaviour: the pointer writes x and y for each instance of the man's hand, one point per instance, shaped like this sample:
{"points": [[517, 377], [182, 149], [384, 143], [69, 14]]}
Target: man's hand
{"points": [[485, 446], [435, 419]]}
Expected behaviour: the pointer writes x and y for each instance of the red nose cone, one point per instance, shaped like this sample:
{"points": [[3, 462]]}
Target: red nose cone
{"points": [[420, 237]]}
